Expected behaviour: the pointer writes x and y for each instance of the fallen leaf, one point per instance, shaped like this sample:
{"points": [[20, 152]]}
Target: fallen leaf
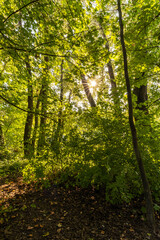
{"points": [[1, 221], [131, 230], [46, 234], [29, 228], [59, 225], [59, 230]]}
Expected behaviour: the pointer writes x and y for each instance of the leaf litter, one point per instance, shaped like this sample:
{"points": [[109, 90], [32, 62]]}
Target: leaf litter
{"points": [[67, 214]]}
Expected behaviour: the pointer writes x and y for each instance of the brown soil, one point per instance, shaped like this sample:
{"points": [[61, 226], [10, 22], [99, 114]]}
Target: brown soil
{"points": [[58, 213]]}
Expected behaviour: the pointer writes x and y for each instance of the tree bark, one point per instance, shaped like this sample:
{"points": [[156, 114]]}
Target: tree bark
{"points": [[142, 97], [2, 145], [58, 133], [60, 122], [43, 99], [146, 187], [87, 91], [109, 64], [70, 95], [29, 119], [35, 125], [1, 137], [112, 77]]}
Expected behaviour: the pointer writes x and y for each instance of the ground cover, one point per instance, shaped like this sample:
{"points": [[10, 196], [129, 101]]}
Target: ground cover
{"points": [[59, 213]]}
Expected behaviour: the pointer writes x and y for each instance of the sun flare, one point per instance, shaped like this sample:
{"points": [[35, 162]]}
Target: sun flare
{"points": [[93, 83]]}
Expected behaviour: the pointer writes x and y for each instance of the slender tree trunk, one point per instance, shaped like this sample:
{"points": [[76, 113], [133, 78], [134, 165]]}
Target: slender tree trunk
{"points": [[112, 77], [58, 133], [43, 97], [147, 192], [29, 119], [1, 136], [35, 125], [87, 91], [2, 145], [70, 95], [109, 64], [60, 122]]}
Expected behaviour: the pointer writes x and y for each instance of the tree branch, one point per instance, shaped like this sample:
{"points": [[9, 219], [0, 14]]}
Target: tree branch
{"points": [[26, 5], [24, 110]]}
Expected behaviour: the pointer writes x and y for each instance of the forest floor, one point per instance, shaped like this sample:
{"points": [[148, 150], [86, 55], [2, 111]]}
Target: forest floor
{"points": [[57, 213]]}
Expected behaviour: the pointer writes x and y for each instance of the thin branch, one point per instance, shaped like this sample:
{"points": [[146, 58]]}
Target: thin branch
{"points": [[31, 50], [149, 23], [150, 105], [18, 10], [24, 110]]}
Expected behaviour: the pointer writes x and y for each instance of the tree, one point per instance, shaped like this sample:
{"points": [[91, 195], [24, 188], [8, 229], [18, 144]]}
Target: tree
{"points": [[50, 53], [147, 192], [43, 99], [87, 91], [29, 119]]}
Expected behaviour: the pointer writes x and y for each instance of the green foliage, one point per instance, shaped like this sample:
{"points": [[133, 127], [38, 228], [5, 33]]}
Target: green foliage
{"points": [[34, 170], [12, 166], [69, 142]]}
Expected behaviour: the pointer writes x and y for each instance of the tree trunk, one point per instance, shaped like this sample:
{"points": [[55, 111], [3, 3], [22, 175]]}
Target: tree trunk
{"points": [[2, 146], [109, 64], [147, 192], [87, 91], [142, 97], [43, 99], [112, 77], [60, 122], [1, 137], [70, 95], [29, 119], [58, 133], [35, 125]]}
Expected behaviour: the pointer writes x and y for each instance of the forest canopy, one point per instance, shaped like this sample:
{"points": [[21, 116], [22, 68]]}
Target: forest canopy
{"points": [[79, 93]]}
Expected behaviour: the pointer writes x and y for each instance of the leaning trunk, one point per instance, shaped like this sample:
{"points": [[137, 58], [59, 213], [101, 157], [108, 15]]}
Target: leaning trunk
{"points": [[111, 76], [147, 192], [87, 91], [109, 64]]}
